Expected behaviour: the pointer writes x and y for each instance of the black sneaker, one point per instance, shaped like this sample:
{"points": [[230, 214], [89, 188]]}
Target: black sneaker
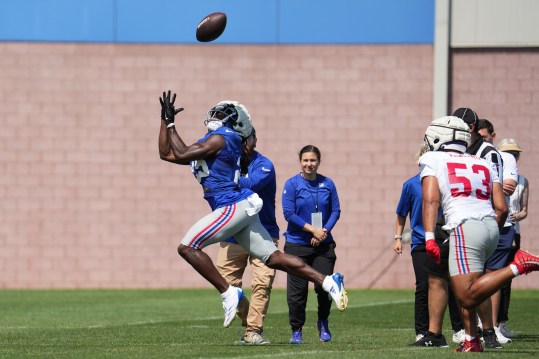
{"points": [[431, 340], [491, 341]]}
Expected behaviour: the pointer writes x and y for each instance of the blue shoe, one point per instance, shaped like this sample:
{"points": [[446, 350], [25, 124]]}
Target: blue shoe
{"points": [[296, 337], [336, 290], [323, 330]]}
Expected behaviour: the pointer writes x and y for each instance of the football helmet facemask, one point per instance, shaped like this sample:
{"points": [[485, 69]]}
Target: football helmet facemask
{"points": [[231, 114], [447, 131]]}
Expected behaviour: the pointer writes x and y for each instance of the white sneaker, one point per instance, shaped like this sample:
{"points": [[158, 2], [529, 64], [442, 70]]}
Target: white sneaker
{"points": [[231, 300], [504, 329], [458, 337], [501, 338], [334, 285]]}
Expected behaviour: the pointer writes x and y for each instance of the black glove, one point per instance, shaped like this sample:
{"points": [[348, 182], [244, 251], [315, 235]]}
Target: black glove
{"points": [[167, 108]]}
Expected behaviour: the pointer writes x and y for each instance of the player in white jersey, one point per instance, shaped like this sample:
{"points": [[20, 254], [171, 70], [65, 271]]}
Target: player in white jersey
{"points": [[465, 185], [474, 207], [480, 147]]}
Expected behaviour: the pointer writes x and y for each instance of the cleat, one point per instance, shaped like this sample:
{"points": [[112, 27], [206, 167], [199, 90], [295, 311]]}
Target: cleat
{"points": [[501, 338], [253, 338], [323, 330], [491, 340], [230, 304], [458, 337], [296, 337], [525, 262], [473, 345], [337, 292], [504, 329], [431, 340]]}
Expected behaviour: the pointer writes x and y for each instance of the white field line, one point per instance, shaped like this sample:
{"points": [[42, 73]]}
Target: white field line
{"points": [[365, 305], [355, 352]]}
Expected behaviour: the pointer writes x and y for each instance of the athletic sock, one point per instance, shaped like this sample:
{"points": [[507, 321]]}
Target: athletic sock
{"points": [[228, 292], [514, 268]]}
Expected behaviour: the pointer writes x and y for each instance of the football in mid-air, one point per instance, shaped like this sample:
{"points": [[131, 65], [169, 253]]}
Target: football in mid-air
{"points": [[211, 27]]}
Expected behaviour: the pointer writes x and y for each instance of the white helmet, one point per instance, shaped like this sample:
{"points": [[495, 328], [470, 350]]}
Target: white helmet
{"points": [[231, 114], [446, 131]]}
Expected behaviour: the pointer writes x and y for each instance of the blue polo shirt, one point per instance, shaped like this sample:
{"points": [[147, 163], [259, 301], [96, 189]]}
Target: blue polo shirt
{"points": [[411, 203]]}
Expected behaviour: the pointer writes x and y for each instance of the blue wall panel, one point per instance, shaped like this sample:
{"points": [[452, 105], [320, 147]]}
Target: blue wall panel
{"points": [[352, 21], [249, 21], [57, 20]]}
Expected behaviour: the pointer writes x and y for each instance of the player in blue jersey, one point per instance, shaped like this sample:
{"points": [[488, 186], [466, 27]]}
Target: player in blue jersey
{"points": [[215, 162]]}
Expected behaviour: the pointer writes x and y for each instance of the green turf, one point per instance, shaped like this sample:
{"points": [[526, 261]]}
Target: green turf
{"points": [[188, 324]]}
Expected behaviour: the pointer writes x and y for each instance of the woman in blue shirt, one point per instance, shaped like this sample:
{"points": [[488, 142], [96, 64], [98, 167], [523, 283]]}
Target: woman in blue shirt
{"points": [[311, 208]]}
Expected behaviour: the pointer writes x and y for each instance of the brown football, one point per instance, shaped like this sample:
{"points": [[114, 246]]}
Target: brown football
{"points": [[211, 27]]}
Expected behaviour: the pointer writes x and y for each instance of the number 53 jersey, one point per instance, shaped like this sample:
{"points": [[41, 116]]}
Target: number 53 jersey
{"points": [[465, 183]]}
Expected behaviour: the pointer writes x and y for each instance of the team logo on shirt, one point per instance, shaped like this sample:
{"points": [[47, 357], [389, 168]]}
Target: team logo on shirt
{"points": [[265, 169]]}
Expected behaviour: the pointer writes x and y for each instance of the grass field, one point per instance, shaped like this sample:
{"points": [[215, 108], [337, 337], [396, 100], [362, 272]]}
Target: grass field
{"points": [[187, 323]]}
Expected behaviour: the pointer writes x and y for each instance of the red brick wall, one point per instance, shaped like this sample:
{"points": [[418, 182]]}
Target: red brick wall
{"points": [[87, 203], [503, 87]]}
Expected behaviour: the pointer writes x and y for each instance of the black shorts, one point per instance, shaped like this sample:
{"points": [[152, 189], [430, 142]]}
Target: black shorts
{"points": [[440, 270]]}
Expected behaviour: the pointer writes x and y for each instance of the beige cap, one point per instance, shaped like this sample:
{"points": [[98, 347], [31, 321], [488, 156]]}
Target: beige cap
{"points": [[509, 144]]}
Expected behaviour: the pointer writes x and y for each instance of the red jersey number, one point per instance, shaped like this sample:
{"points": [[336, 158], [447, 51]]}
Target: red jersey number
{"points": [[462, 185]]}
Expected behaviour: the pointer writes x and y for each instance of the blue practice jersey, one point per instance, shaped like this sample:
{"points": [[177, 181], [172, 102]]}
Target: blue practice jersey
{"points": [[261, 179], [301, 198], [219, 174], [411, 202]]}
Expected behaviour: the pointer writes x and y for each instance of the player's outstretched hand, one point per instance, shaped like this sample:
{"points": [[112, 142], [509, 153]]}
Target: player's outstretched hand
{"points": [[433, 250], [167, 108]]}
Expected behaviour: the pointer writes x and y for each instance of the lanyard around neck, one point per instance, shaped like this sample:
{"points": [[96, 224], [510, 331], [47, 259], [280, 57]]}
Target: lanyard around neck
{"points": [[309, 189]]}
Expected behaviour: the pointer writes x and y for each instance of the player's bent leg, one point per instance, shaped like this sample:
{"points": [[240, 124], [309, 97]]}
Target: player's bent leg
{"points": [[472, 289], [203, 264], [333, 284], [489, 283], [295, 266]]}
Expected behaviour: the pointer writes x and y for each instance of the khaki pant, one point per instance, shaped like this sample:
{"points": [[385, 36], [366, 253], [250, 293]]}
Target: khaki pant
{"points": [[232, 260]]}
